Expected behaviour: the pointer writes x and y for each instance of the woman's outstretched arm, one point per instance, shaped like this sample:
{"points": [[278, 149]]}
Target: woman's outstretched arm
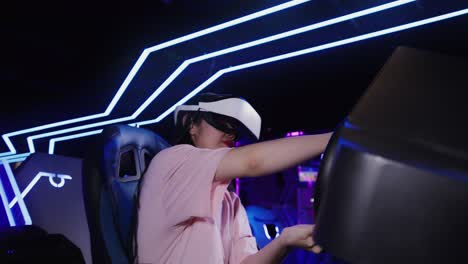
{"points": [[268, 157]]}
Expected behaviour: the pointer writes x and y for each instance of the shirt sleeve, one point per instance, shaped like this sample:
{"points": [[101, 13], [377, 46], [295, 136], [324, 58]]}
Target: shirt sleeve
{"points": [[188, 180], [244, 243]]}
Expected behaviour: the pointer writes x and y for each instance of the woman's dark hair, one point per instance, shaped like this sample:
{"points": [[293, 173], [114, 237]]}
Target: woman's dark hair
{"points": [[182, 134]]}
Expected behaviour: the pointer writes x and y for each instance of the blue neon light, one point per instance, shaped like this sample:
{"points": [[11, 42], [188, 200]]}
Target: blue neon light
{"points": [[186, 63], [62, 178], [14, 186], [265, 229], [21, 155], [315, 26], [17, 156], [3, 196], [302, 52], [14, 160], [52, 141], [139, 63]]}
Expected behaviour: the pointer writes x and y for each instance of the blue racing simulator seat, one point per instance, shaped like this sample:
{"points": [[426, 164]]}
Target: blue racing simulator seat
{"points": [[111, 176], [393, 185]]}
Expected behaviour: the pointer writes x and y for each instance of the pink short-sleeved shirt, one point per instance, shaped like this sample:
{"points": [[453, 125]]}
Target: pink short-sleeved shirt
{"points": [[187, 217]]}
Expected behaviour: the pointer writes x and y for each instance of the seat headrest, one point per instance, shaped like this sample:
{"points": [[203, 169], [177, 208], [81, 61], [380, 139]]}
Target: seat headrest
{"points": [[128, 150]]}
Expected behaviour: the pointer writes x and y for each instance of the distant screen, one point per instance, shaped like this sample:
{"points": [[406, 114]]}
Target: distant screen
{"points": [[307, 174]]}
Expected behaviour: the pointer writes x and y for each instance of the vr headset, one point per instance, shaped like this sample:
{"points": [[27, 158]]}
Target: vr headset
{"points": [[227, 113]]}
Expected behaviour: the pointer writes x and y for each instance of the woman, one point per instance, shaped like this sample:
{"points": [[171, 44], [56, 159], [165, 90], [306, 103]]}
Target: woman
{"points": [[187, 215]]}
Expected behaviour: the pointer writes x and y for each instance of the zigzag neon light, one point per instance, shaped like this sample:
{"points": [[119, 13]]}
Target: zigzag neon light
{"points": [[3, 196], [139, 63], [22, 155], [16, 158], [14, 186], [302, 52], [52, 141], [305, 51], [186, 63]]}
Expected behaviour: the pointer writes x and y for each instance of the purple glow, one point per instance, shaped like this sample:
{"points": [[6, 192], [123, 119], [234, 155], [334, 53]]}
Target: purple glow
{"points": [[294, 134], [237, 186], [307, 174]]}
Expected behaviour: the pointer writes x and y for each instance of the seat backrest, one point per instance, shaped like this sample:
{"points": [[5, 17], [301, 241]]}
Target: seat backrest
{"points": [[111, 176], [265, 224]]}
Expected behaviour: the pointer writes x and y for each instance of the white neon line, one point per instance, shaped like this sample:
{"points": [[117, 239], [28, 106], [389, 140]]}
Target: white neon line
{"points": [[311, 27], [303, 29], [30, 186], [186, 63], [305, 51], [186, 98], [15, 160], [62, 178], [11, 219], [22, 155], [229, 24], [266, 232], [14, 186], [302, 52], [139, 63], [52, 141], [72, 129]]}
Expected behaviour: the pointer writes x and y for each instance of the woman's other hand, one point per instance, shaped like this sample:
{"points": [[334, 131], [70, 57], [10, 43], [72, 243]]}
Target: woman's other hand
{"points": [[300, 236]]}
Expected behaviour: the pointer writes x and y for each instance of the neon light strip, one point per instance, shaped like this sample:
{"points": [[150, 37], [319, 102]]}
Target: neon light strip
{"points": [[22, 155], [11, 219], [63, 131], [52, 141], [228, 24], [268, 234], [14, 160], [305, 51], [139, 63], [14, 186], [315, 26], [186, 63]]}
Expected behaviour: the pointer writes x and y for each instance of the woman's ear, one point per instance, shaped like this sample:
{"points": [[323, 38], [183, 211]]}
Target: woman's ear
{"points": [[228, 140], [229, 137], [193, 129]]}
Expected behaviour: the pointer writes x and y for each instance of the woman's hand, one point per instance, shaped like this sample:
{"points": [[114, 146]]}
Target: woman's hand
{"points": [[294, 236], [299, 236]]}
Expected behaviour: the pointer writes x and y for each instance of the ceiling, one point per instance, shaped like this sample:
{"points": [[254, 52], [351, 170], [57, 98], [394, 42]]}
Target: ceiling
{"points": [[62, 60]]}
